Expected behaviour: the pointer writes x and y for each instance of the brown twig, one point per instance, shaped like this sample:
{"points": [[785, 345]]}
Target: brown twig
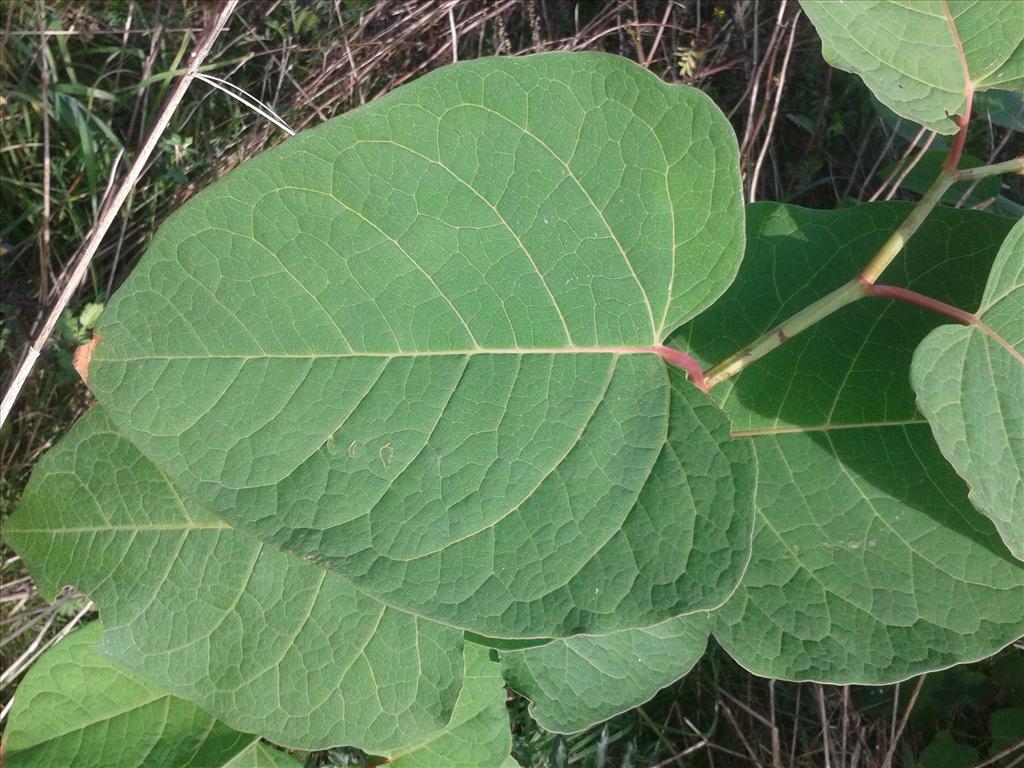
{"points": [[898, 732], [896, 168], [1008, 752], [775, 109], [657, 38], [110, 211], [885, 151], [826, 741], [753, 125], [898, 182]]}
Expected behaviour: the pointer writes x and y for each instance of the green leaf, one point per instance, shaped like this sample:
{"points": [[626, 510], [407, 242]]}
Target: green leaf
{"points": [[1003, 108], [919, 56], [1008, 672], [866, 571], [478, 735], [943, 751], [417, 344], [259, 755], [970, 385], [1006, 726], [578, 681], [90, 314], [869, 564], [75, 707], [264, 640]]}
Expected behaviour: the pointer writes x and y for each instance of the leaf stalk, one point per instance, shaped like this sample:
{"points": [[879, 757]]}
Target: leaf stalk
{"points": [[1016, 165], [948, 310], [862, 285]]}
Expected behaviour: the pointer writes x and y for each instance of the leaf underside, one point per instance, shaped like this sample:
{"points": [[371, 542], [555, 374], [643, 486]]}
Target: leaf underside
{"points": [[869, 564], [970, 385], [578, 681], [75, 707], [478, 735], [262, 639], [415, 345], [918, 56], [259, 755], [397, 379]]}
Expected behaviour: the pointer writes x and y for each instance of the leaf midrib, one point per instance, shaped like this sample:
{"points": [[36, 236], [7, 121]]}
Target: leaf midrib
{"points": [[596, 350]]}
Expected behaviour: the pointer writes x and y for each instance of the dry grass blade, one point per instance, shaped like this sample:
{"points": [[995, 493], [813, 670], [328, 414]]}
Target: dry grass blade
{"points": [[44, 98], [903, 722], [110, 209], [826, 725], [1010, 751], [767, 143]]}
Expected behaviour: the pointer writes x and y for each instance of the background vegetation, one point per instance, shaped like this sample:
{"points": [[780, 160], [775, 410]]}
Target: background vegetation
{"points": [[81, 84]]}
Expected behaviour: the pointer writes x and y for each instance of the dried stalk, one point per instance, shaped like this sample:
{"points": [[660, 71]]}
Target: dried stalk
{"points": [[109, 211]]}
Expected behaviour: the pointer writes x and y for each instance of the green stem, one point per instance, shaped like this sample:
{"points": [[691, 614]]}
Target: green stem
{"points": [[883, 258], [983, 171], [786, 330], [859, 287]]}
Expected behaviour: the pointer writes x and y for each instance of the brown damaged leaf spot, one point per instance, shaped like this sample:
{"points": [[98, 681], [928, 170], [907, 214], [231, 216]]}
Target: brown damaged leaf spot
{"points": [[83, 357]]}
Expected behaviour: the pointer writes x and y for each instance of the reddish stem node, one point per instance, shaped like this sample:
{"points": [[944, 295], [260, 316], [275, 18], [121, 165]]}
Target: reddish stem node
{"points": [[957, 147], [682, 360]]}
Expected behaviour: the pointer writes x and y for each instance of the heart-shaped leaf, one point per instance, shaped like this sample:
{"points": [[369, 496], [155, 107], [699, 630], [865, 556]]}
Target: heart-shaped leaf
{"points": [[970, 385], [923, 58], [869, 563], [262, 639], [418, 345], [75, 707], [578, 681]]}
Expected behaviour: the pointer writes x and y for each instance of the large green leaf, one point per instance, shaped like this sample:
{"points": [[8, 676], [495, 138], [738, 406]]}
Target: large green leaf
{"points": [[417, 345], [919, 56], [478, 735], [266, 641], [578, 681], [76, 708], [970, 385], [869, 564]]}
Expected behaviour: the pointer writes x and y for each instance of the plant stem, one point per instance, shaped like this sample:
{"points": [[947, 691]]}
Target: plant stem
{"points": [[1016, 165], [786, 330], [920, 300], [942, 308], [673, 356], [956, 149], [863, 284], [883, 258], [853, 290]]}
